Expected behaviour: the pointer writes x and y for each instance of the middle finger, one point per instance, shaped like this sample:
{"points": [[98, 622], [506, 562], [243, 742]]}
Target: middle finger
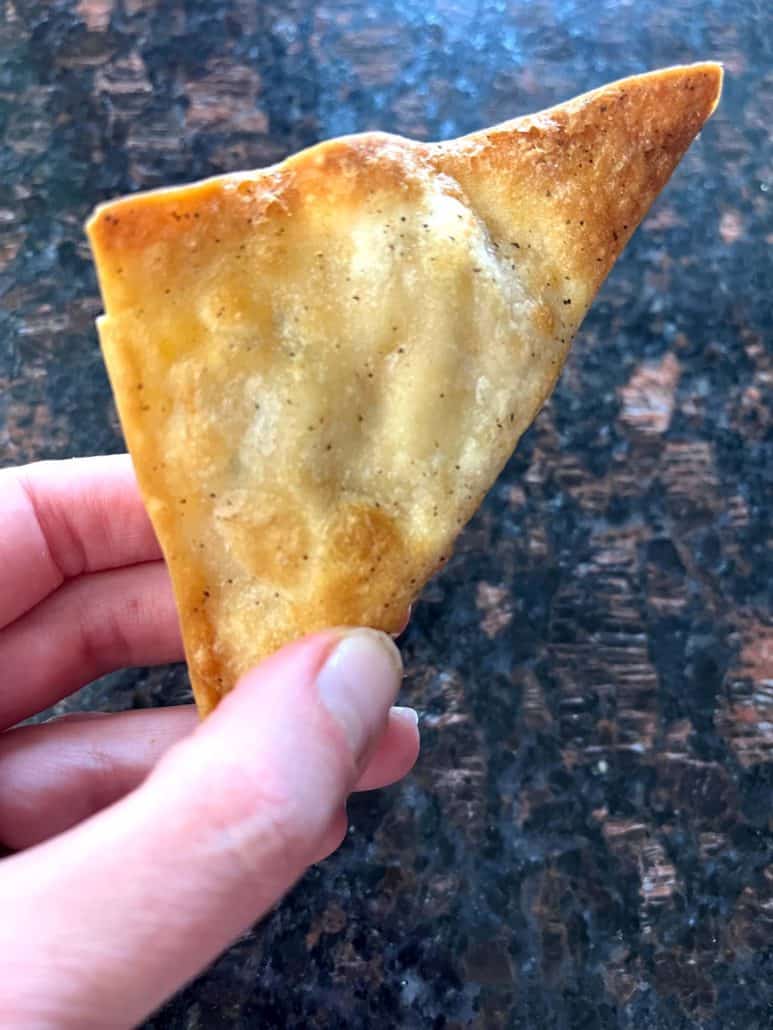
{"points": [[91, 625], [54, 775]]}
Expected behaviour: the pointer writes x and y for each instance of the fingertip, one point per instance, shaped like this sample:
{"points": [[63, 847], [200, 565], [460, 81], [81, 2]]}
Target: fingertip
{"points": [[404, 727], [395, 753], [405, 714]]}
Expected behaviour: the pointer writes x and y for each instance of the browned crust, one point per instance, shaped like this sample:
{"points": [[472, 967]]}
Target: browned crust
{"points": [[567, 187], [596, 162], [599, 159]]}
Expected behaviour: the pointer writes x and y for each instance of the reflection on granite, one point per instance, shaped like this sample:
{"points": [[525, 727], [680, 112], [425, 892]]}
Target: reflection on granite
{"points": [[586, 839]]}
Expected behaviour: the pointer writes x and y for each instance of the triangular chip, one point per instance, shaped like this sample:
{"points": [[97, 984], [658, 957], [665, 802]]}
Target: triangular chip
{"points": [[321, 367]]}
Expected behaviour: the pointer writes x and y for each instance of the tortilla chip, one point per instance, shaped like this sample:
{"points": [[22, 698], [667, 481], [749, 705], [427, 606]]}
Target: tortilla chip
{"points": [[321, 367]]}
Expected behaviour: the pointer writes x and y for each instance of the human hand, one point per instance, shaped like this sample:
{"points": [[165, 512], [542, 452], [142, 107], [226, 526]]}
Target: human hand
{"points": [[153, 840]]}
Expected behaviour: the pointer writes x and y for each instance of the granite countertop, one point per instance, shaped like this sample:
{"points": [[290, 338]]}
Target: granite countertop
{"points": [[586, 840]]}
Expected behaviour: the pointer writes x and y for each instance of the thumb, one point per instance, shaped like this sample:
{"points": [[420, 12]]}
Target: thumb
{"points": [[163, 881]]}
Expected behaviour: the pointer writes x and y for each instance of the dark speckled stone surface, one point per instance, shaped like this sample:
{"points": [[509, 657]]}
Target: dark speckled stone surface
{"points": [[586, 841]]}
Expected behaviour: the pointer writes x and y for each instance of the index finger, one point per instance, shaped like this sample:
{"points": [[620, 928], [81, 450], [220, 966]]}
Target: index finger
{"points": [[59, 519]]}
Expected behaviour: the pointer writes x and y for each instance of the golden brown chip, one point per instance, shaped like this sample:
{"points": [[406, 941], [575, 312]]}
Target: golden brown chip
{"points": [[321, 367]]}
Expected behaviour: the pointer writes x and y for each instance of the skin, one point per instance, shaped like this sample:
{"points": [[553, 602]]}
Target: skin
{"points": [[158, 837]]}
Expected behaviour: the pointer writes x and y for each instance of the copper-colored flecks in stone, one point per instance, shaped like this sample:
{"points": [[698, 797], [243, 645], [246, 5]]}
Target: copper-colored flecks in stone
{"points": [[648, 397], [745, 717]]}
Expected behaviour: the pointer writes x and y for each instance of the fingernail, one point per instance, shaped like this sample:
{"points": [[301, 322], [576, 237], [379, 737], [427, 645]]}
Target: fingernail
{"points": [[358, 683], [409, 715]]}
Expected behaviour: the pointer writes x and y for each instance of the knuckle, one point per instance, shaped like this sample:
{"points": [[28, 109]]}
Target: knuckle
{"points": [[250, 825], [102, 638]]}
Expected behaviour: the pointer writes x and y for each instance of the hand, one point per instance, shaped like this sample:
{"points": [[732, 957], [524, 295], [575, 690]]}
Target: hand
{"points": [[152, 840]]}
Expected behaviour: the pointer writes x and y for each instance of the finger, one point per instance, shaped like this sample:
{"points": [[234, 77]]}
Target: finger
{"points": [[161, 882], [59, 519], [396, 752], [57, 774], [88, 627]]}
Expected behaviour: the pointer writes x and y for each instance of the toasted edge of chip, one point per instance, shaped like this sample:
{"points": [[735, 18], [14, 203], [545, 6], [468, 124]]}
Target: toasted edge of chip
{"points": [[567, 186]]}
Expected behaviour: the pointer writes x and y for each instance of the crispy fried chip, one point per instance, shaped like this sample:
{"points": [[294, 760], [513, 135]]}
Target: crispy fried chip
{"points": [[321, 367]]}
